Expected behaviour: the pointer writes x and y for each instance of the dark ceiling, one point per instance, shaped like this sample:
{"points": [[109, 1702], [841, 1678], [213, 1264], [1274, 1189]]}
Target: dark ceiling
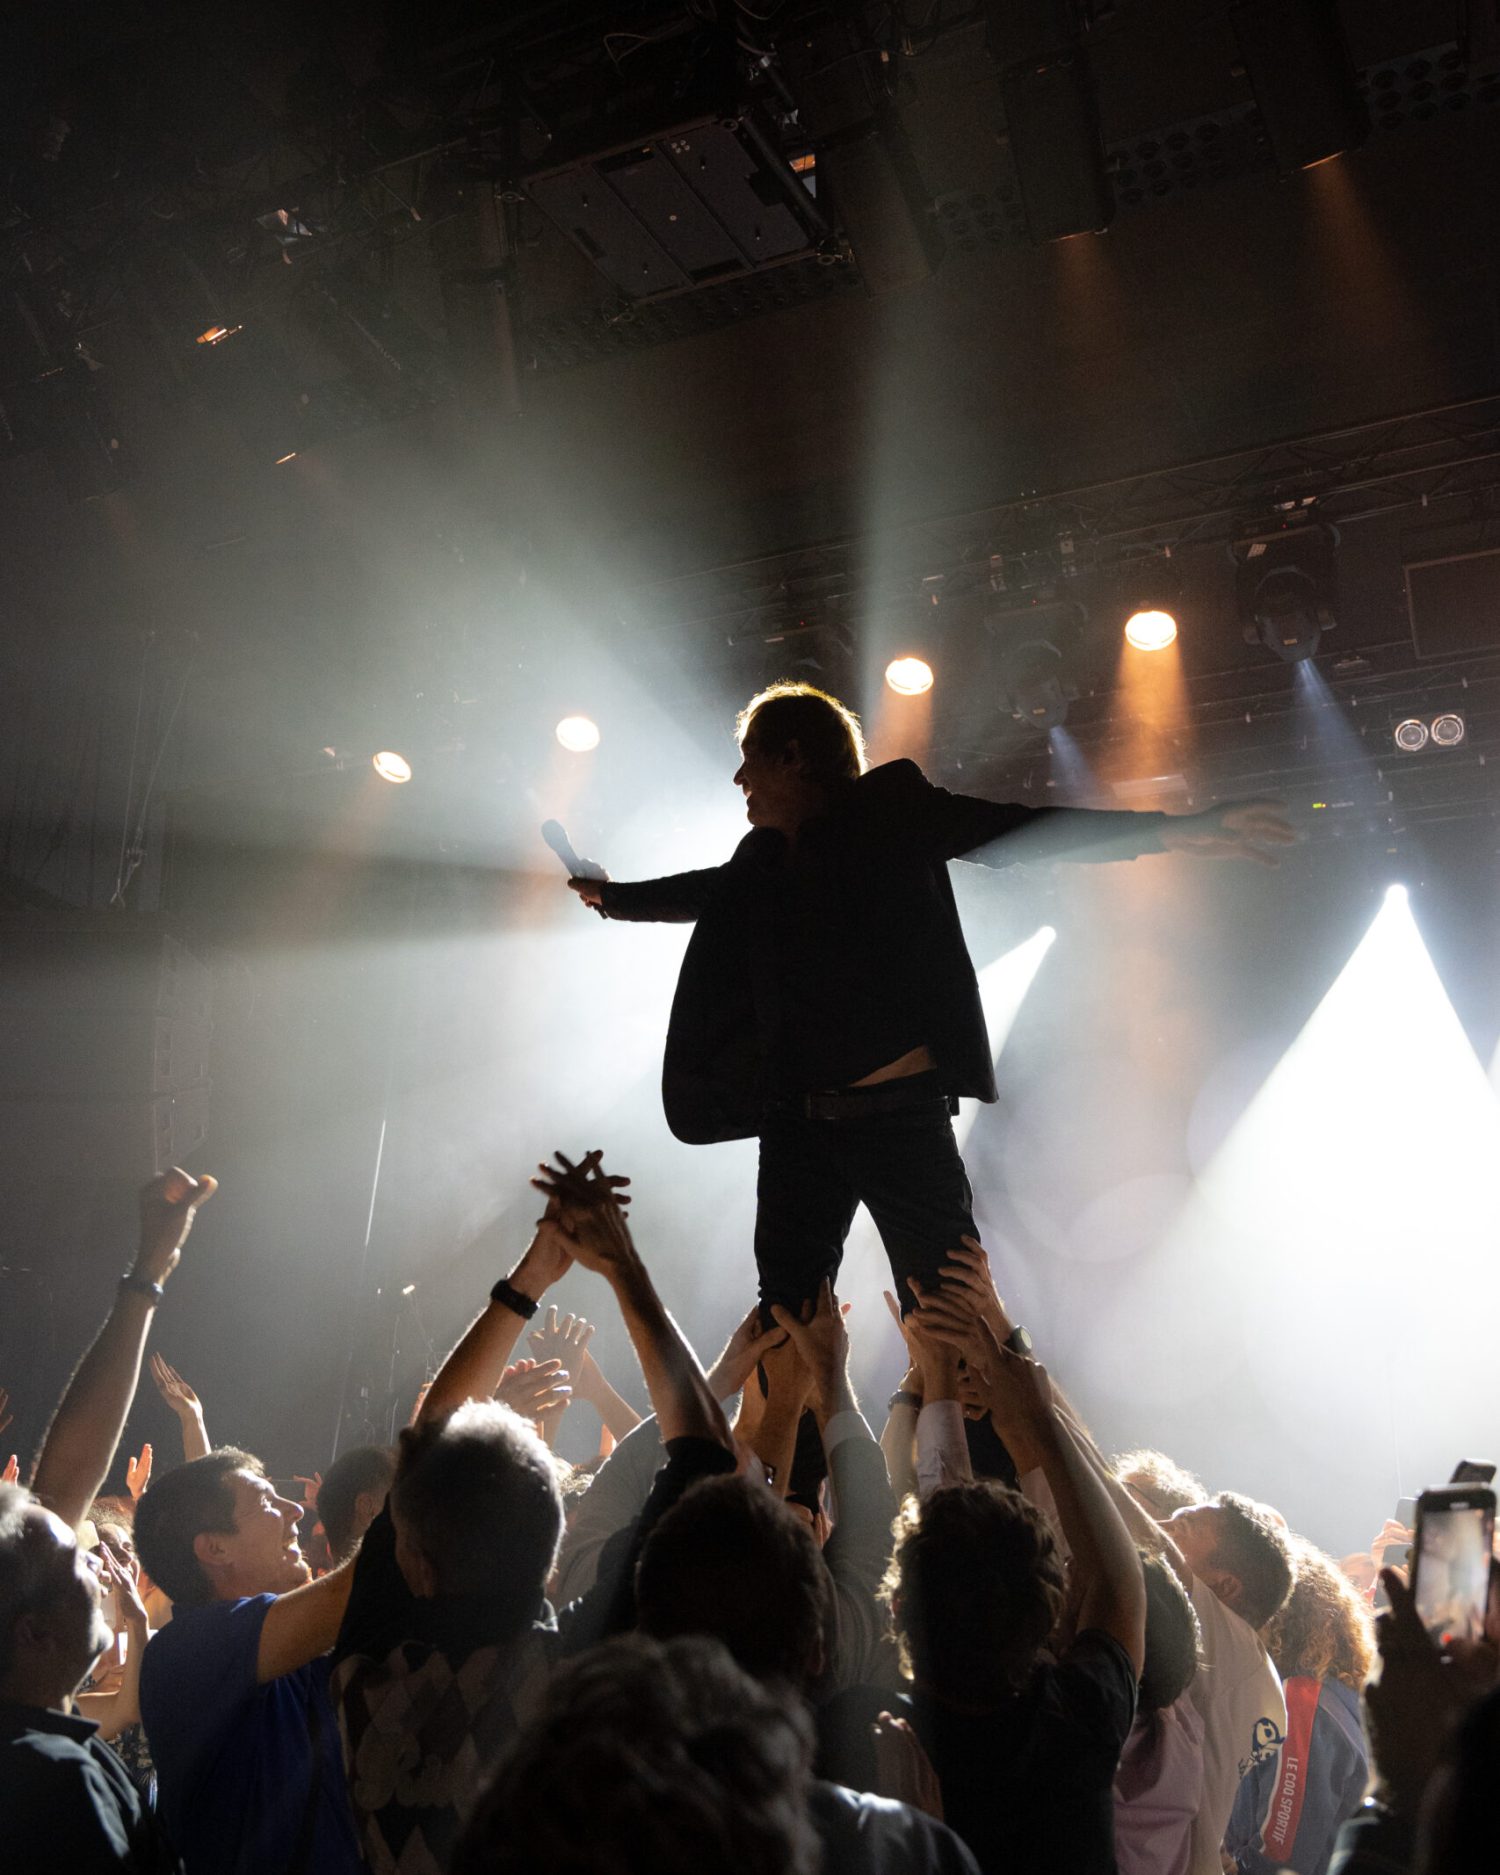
{"points": [[783, 468]]}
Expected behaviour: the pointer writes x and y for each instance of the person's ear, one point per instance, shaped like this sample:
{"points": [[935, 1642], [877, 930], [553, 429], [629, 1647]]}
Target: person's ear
{"points": [[211, 1549], [1226, 1585], [791, 755]]}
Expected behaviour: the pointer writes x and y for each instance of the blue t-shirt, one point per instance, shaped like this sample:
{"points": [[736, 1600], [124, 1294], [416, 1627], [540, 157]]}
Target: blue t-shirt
{"points": [[235, 1758]]}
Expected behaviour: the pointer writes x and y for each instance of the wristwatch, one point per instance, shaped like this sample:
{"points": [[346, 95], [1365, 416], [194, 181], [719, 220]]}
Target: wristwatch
{"points": [[903, 1396], [143, 1286], [1019, 1340]]}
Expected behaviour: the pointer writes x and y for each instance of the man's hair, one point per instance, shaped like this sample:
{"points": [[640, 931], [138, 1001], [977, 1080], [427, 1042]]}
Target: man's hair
{"points": [[733, 1561], [1159, 1479], [477, 1492], [1253, 1546], [28, 1569], [1323, 1630], [1173, 1638], [826, 731], [177, 1509], [975, 1586], [363, 1468], [651, 1758]]}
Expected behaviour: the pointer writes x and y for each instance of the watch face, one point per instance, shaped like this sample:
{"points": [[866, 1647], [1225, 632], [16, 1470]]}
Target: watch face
{"points": [[1020, 1341]]}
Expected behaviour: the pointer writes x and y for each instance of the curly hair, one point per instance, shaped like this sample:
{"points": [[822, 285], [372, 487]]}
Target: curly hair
{"points": [[975, 1585], [826, 731], [1162, 1484], [1253, 1545], [651, 1758], [1323, 1630]]}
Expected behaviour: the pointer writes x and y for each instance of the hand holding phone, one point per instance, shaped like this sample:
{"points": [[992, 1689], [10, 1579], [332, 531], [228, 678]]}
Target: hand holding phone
{"points": [[1451, 1561]]}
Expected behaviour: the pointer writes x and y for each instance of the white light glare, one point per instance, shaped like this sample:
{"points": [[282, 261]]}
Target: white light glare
{"points": [[391, 767], [1003, 985], [908, 677], [578, 734], [1411, 735], [1151, 630]]}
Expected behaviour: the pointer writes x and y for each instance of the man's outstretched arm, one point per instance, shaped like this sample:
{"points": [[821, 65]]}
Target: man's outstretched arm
{"points": [[678, 899], [81, 1441]]}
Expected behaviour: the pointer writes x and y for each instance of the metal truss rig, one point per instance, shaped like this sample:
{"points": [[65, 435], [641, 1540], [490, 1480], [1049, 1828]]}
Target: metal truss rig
{"points": [[1343, 476]]}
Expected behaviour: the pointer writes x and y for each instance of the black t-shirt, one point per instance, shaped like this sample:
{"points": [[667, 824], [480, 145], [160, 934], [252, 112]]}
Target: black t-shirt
{"points": [[1028, 1786], [67, 1802]]}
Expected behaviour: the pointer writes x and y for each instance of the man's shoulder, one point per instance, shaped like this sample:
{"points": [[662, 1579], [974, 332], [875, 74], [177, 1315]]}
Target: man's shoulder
{"points": [[864, 1834], [46, 1774], [901, 777]]}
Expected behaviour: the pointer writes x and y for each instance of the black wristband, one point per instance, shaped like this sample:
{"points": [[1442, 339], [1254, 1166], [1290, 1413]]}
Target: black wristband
{"points": [[143, 1286], [903, 1396], [509, 1297]]}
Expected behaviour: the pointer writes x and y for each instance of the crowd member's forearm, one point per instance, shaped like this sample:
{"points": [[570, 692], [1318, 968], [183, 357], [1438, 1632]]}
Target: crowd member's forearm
{"points": [[473, 1369], [680, 1394], [775, 1441], [1105, 1561], [617, 1416], [194, 1437], [85, 1432], [899, 1444]]}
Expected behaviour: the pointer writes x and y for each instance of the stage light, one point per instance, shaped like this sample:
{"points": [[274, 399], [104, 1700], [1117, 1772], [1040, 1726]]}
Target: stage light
{"points": [[410, 1289], [290, 456], [1151, 631], [1411, 735], [391, 767], [216, 334], [578, 734], [1448, 730], [908, 677], [1304, 82], [1287, 588]]}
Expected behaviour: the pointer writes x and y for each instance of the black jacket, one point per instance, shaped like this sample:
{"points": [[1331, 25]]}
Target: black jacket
{"points": [[886, 839]]}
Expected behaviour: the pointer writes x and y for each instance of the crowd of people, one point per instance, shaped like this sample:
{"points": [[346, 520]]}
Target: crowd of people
{"points": [[749, 1636]]}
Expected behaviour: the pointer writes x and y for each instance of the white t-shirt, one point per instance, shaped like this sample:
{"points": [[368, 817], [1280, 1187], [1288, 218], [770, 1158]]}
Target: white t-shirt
{"points": [[1238, 1692]]}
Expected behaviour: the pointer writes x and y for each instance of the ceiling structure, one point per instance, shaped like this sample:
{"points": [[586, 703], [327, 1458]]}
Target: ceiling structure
{"points": [[921, 424]]}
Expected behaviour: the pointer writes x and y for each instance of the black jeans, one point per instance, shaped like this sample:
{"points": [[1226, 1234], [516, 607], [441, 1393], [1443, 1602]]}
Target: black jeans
{"points": [[814, 1172]]}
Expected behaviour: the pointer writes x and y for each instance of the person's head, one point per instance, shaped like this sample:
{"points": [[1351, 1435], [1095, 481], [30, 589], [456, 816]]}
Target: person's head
{"points": [[52, 1622], [1323, 1630], [1173, 1638], [975, 1586], [797, 744], [351, 1494], [651, 1758], [732, 1560], [113, 1519], [216, 1529], [1240, 1549], [1158, 1483], [477, 1510], [1358, 1568]]}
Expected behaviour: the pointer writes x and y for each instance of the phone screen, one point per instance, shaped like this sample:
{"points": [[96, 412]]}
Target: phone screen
{"points": [[1452, 1578]]}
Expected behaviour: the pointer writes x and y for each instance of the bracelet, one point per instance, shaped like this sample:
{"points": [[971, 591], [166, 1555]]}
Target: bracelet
{"points": [[903, 1396], [143, 1286], [509, 1297]]}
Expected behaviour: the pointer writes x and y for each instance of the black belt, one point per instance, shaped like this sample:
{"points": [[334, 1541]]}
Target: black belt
{"points": [[854, 1103]]}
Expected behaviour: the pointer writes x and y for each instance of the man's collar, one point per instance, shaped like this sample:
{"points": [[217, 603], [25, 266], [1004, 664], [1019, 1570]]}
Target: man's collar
{"points": [[16, 1718]]}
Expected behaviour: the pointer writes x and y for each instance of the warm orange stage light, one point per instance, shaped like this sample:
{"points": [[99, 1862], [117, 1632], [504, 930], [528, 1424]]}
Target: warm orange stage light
{"points": [[908, 677], [1151, 630]]}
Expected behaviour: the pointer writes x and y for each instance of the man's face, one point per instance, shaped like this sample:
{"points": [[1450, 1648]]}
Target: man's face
{"points": [[262, 1551], [775, 788], [1195, 1531], [69, 1627]]}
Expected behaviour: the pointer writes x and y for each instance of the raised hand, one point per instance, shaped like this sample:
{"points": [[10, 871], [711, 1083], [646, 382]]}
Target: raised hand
{"points": [[823, 1344], [138, 1472], [534, 1388], [131, 1610], [168, 1206], [968, 1271], [310, 1488], [566, 1341], [175, 1390], [749, 1344], [1242, 830], [12, 1471], [1016, 1389], [590, 1213]]}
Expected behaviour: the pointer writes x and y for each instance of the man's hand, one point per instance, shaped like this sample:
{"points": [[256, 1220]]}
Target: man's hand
{"points": [[749, 1344], [912, 1381], [565, 1341], [138, 1472], [12, 1471], [1243, 830], [823, 1344], [591, 891], [122, 1578], [168, 1206], [1016, 1389], [535, 1388], [590, 1213], [175, 1390], [968, 1269]]}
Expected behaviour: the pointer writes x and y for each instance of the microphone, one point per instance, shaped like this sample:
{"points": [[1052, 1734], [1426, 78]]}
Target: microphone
{"points": [[556, 836]]}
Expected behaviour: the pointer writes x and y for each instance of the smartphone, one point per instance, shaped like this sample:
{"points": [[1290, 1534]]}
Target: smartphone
{"points": [[1450, 1575], [1473, 1471]]}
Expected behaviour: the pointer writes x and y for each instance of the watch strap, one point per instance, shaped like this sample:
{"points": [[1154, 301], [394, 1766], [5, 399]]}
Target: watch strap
{"points": [[903, 1396], [143, 1286], [509, 1297]]}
